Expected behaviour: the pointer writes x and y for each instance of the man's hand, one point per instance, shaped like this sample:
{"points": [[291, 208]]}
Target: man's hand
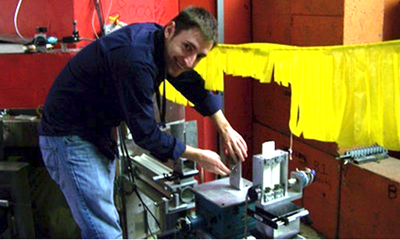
{"points": [[233, 143], [234, 146], [207, 159]]}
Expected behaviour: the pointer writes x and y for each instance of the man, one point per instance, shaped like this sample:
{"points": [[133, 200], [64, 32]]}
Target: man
{"points": [[111, 80]]}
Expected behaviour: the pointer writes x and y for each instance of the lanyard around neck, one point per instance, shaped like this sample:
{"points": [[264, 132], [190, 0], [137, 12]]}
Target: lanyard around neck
{"points": [[161, 103]]}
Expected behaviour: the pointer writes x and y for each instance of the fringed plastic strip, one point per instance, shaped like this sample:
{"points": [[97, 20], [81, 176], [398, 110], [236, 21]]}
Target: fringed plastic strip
{"points": [[347, 94]]}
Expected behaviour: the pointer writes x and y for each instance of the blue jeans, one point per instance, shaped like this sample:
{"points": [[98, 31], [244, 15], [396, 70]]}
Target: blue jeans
{"points": [[86, 177]]}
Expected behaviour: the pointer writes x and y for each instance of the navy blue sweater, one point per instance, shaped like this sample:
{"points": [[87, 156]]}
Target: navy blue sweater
{"points": [[114, 79]]}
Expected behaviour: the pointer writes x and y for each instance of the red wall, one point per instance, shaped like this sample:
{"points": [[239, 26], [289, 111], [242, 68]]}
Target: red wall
{"points": [[26, 78], [238, 91], [237, 94], [58, 17], [207, 134], [29, 76]]}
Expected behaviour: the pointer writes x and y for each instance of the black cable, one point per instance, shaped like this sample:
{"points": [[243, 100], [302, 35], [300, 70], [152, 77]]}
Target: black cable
{"points": [[246, 205], [124, 151], [147, 208], [125, 155], [103, 17], [121, 188], [122, 142], [123, 217], [131, 175], [101, 10], [148, 226], [99, 15], [162, 103]]}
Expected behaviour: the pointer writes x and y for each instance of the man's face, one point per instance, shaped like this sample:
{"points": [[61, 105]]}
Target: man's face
{"points": [[184, 50]]}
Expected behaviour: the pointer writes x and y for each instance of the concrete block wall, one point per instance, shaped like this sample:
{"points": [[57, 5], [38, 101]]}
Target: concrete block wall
{"points": [[363, 21], [321, 23], [370, 201], [301, 23]]}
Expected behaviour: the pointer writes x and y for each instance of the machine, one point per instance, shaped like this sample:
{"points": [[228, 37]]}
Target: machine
{"points": [[163, 191], [231, 207], [277, 216], [170, 203], [171, 188]]}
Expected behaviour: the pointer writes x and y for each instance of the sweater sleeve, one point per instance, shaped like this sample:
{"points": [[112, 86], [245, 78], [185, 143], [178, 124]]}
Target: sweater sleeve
{"points": [[191, 85], [135, 85]]}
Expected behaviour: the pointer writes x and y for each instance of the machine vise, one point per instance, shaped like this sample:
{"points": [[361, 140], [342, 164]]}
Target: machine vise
{"points": [[238, 208]]}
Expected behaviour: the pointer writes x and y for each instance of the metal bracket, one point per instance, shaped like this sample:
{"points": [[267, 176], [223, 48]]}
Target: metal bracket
{"points": [[235, 178]]}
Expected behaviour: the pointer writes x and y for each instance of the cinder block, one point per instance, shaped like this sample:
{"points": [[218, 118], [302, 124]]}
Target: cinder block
{"points": [[318, 7], [323, 22], [311, 30], [330, 148], [320, 198], [271, 21], [391, 19], [266, 8], [370, 200], [271, 105], [276, 30], [363, 21]]}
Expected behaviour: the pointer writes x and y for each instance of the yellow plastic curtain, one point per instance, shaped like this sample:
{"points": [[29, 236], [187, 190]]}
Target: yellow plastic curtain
{"points": [[346, 94]]}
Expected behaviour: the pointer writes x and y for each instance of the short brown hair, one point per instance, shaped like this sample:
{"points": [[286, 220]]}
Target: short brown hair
{"points": [[192, 17]]}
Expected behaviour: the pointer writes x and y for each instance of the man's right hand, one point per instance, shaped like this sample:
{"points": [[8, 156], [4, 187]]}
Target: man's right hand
{"points": [[207, 159]]}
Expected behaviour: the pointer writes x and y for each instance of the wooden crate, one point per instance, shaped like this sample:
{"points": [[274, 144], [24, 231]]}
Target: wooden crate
{"points": [[370, 200]]}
